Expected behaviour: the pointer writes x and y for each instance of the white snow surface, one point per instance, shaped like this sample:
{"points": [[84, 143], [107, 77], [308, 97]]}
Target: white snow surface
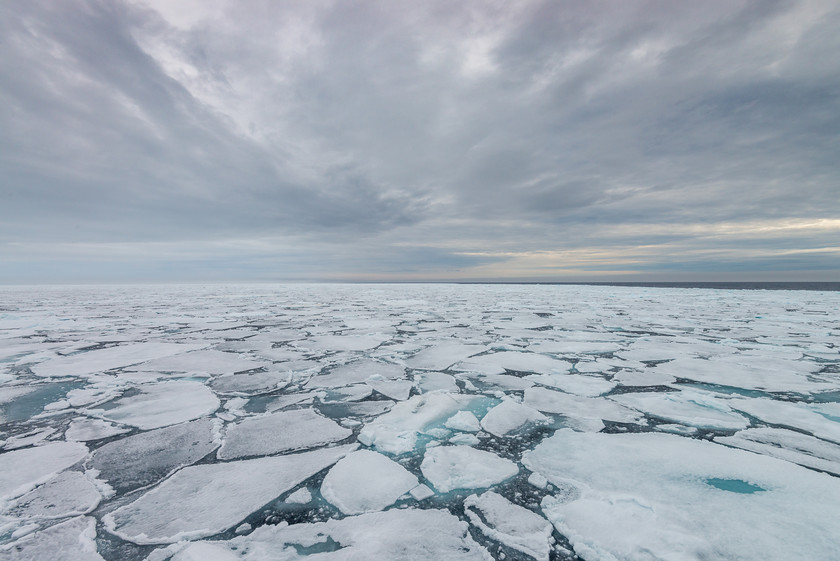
{"points": [[20, 470], [284, 431], [366, 481], [511, 524], [395, 535], [159, 405], [396, 431], [654, 495], [510, 417], [464, 467]]}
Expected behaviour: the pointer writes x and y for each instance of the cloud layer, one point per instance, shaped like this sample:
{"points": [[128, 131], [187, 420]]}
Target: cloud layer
{"points": [[433, 140]]}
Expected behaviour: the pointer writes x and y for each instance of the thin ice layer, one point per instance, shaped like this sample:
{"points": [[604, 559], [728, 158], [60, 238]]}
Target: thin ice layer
{"points": [[464, 467], [655, 495], [284, 431], [206, 499], [144, 458], [366, 481], [508, 523]]}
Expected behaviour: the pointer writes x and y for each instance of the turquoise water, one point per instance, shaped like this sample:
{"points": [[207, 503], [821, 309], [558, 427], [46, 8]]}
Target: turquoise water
{"points": [[734, 485], [28, 405]]}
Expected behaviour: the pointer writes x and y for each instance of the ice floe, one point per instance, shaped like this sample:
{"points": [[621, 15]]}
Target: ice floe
{"points": [[464, 467], [203, 500], [144, 458], [513, 525], [159, 405], [395, 535], [663, 496], [69, 493], [284, 431], [509, 418], [72, 540], [396, 432], [20, 470], [366, 481]]}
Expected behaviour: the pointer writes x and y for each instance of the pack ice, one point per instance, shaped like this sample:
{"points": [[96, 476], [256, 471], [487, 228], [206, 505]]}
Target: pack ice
{"points": [[550, 423]]}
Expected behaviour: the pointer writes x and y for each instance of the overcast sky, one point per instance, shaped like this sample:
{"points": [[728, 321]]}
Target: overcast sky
{"points": [[418, 140]]}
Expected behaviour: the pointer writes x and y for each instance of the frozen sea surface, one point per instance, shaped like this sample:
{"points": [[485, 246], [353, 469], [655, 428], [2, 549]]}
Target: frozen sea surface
{"points": [[274, 422]]}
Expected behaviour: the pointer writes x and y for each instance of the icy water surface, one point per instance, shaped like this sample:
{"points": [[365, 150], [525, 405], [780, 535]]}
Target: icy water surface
{"points": [[329, 422]]}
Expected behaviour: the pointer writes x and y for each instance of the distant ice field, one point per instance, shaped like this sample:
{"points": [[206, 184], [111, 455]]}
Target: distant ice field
{"points": [[440, 422]]}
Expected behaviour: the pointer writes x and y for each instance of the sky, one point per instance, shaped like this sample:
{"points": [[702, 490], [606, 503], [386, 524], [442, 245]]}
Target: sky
{"points": [[261, 140]]}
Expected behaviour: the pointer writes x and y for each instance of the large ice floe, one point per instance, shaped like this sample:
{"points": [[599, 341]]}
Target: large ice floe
{"points": [[418, 422]]}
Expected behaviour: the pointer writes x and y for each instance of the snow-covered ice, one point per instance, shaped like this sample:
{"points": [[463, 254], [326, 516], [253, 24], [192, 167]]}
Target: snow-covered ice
{"points": [[366, 481], [464, 467], [20, 470], [203, 500], [510, 418], [661, 495], [511, 524], [159, 405], [275, 422], [284, 431]]}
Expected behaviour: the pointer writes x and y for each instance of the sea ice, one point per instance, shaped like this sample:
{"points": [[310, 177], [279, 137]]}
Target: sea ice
{"points": [[144, 458], [802, 416], [72, 540], [465, 421], [508, 523], [510, 417], [366, 481], [393, 535], [396, 432], [69, 493], [436, 381], [578, 384], [788, 445], [162, 404], [696, 409], [301, 497], [655, 495], [101, 360], [550, 401], [250, 383], [464, 467], [442, 355], [203, 500], [207, 362], [280, 432], [20, 470], [500, 362], [395, 389]]}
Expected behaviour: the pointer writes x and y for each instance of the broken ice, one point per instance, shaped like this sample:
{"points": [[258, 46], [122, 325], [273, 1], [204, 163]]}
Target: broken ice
{"points": [[280, 422]]}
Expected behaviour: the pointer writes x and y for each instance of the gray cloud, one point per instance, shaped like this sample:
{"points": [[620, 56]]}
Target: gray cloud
{"points": [[440, 139]]}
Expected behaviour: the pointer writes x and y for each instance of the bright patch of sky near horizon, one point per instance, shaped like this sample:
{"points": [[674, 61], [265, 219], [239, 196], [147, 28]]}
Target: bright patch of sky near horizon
{"points": [[152, 140]]}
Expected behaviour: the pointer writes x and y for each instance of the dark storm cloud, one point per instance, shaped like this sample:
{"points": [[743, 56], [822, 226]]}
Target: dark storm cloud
{"points": [[428, 138]]}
